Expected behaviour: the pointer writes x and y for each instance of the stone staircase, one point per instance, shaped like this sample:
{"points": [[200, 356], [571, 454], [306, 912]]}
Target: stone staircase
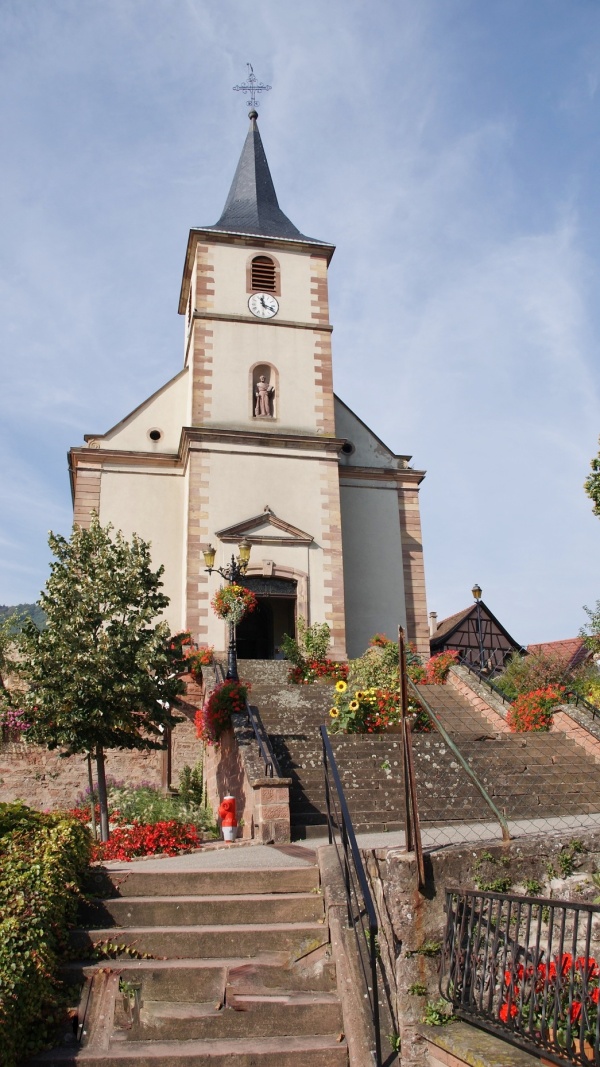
{"points": [[527, 775], [239, 971]]}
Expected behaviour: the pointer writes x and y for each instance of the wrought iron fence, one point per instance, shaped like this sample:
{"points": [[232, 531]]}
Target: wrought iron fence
{"points": [[361, 910], [525, 969]]}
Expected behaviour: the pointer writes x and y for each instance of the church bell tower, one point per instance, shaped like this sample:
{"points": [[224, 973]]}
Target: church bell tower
{"points": [[263, 452]]}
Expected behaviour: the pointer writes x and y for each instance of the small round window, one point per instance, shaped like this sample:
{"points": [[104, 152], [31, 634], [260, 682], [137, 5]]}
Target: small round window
{"points": [[155, 435], [347, 448]]}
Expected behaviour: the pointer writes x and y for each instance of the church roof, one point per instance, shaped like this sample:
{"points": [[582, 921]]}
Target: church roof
{"points": [[252, 206]]}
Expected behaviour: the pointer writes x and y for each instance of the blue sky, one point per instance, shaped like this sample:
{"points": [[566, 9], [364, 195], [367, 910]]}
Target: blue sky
{"points": [[449, 148]]}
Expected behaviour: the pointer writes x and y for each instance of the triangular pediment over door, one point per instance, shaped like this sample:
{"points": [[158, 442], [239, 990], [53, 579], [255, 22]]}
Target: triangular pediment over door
{"points": [[265, 529]]}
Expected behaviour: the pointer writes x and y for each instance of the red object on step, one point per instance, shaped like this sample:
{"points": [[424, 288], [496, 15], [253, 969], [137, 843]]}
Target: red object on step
{"points": [[227, 812]]}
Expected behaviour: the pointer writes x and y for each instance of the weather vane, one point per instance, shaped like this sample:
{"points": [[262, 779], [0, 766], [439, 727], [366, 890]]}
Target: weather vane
{"points": [[252, 86]]}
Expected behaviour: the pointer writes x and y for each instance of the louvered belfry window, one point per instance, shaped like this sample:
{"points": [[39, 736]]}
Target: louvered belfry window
{"points": [[263, 274]]}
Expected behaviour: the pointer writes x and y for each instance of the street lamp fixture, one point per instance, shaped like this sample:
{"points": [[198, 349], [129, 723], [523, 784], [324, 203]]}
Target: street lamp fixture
{"points": [[476, 591], [232, 574]]}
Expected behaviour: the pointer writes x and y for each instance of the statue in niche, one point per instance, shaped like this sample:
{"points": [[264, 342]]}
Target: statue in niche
{"points": [[264, 394]]}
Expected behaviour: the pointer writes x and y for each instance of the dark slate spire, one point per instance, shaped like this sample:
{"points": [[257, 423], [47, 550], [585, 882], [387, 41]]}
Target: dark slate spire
{"points": [[252, 206]]}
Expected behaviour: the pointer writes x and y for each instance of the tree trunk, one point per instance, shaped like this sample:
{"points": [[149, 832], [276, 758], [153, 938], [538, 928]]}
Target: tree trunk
{"points": [[102, 796], [92, 797]]}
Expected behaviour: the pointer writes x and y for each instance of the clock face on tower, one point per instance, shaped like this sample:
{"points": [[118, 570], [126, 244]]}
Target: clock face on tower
{"points": [[263, 305]]}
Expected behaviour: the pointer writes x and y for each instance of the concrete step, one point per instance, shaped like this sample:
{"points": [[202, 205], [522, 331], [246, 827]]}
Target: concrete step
{"points": [[254, 908], [207, 942], [277, 1013], [124, 882], [329, 1050]]}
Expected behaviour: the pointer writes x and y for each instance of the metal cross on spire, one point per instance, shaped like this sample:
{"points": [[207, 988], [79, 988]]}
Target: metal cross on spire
{"points": [[252, 86]]}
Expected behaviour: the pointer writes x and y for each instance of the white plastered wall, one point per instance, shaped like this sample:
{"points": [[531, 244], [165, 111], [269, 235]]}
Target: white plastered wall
{"points": [[240, 487], [150, 505], [240, 346], [231, 295], [373, 575], [167, 411]]}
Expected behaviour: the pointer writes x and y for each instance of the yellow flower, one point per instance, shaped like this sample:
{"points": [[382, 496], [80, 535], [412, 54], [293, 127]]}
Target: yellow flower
{"points": [[354, 705], [334, 713], [341, 686], [359, 695]]}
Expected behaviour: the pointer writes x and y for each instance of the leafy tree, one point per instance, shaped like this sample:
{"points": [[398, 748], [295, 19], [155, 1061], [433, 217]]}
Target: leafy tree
{"points": [[591, 631], [103, 673], [592, 483]]}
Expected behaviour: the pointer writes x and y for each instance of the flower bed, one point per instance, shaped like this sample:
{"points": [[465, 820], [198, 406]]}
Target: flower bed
{"points": [[371, 711], [143, 839], [564, 988], [311, 669], [215, 716], [534, 711], [43, 859]]}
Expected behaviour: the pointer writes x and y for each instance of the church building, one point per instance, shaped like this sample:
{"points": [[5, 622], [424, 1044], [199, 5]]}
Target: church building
{"points": [[249, 441]]}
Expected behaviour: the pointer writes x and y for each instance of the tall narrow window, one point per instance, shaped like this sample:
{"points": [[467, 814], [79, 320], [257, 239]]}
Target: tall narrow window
{"points": [[263, 274]]}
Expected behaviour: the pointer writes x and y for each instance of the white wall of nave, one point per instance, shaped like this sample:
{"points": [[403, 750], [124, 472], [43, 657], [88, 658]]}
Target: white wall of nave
{"points": [[167, 411], [151, 505], [373, 575]]}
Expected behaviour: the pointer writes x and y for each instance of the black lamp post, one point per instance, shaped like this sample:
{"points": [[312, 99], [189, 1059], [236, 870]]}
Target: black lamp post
{"points": [[232, 574], [476, 591]]}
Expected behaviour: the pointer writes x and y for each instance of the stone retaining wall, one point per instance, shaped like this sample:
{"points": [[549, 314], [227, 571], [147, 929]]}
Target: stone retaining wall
{"points": [[44, 779], [412, 924]]}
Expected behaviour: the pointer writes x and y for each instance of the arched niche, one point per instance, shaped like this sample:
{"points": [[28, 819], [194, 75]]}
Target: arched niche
{"points": [[264, 391]]}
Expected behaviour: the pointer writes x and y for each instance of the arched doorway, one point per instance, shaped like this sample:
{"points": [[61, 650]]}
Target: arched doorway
{"points": [[259, 634]]}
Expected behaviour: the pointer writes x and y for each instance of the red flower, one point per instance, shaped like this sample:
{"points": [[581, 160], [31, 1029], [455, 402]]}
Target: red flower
{"points": [[588, 965], [505, 1011], [575, 1010]]}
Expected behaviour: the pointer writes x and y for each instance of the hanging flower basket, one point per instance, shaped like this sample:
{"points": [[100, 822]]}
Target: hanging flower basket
{"points": [[231, 602]]}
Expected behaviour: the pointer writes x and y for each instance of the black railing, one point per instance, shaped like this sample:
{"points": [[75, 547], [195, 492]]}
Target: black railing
{"points": [[360, 907], [484, 678], [262, 739], [575, 698], [523, 969], [261, 736]]}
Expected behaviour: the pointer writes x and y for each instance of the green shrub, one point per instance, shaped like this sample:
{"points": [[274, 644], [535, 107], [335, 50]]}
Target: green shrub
{"points": [[43, 860]]}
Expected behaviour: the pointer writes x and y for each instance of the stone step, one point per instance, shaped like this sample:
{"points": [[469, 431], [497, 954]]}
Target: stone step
{"points": [[124, 882], [206, 979], [208, 942], [208, 910], [329, 1050], [278, 1013]]}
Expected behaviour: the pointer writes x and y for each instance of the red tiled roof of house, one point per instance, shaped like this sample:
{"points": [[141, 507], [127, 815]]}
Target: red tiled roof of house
{"points": [[571, 652]]}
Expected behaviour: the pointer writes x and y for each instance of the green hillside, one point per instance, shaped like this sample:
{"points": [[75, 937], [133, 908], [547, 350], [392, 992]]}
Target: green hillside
{"points": [[34, 612]]}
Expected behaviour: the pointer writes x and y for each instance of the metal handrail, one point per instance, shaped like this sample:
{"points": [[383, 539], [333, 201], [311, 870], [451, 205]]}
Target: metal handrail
{"points": [[272, 769], [418, 694], [349, 858]]}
